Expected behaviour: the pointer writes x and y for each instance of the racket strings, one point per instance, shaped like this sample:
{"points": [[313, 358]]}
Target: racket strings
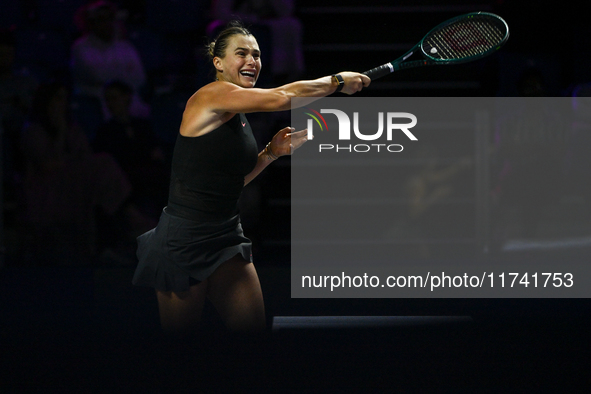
{"points": [[463, 39], [467, 40]]}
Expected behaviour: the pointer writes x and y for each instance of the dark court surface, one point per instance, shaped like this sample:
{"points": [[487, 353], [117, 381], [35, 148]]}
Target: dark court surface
{"points": [[88, 330]]}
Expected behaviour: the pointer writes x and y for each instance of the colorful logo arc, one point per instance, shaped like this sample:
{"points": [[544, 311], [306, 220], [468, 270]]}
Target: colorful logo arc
{"points": [[315, 116]]}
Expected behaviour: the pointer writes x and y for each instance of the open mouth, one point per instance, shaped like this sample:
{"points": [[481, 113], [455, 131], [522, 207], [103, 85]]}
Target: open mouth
{"points": [[249, 74]]}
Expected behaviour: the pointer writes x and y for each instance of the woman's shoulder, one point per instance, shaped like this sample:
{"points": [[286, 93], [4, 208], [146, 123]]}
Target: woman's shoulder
{"points": [[210, 94], [216, 87], [204, 110]]}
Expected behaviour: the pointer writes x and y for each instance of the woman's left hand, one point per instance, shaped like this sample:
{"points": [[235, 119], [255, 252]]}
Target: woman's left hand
{"points": [[286, 141]]}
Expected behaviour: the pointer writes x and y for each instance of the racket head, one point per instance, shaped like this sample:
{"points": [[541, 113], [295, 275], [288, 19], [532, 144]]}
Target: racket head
{"points": [[465, 38]]}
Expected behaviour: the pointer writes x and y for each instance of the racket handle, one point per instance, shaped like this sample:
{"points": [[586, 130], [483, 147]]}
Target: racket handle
{"points": [[380, 71]]}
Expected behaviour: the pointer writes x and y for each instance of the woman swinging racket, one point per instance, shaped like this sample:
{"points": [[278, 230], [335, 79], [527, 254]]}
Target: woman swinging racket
{"points": [[198, 249]]}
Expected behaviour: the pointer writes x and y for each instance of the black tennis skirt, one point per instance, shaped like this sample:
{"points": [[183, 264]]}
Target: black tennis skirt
{"points": [[180, 252]]}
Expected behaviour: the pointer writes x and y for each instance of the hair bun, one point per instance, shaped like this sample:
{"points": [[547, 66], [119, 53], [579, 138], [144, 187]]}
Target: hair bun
{"points": [[211, 49]]}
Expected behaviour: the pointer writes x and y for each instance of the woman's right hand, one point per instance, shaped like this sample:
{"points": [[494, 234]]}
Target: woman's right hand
{"points": [[354, 82]]}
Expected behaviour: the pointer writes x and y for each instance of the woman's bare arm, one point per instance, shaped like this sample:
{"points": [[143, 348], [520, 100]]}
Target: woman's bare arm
{"points": [[216, 103]]}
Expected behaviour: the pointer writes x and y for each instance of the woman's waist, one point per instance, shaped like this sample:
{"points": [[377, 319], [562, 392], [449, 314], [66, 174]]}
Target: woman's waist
{"points": [[228, 215]]}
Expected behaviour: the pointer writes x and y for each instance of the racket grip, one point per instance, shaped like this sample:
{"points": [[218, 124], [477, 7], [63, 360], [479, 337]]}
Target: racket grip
{"points": [[380, 71]]}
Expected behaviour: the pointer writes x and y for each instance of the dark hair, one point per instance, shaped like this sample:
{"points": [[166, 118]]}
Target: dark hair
{"points": [[217, 47], [87, 12]]}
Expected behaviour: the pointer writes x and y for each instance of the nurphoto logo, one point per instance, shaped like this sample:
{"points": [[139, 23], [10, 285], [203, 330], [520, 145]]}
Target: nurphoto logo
{"points": [[393, 124]]}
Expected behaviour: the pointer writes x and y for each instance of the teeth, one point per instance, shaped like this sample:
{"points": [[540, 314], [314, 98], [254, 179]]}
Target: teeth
{"points": [[247, 73]]}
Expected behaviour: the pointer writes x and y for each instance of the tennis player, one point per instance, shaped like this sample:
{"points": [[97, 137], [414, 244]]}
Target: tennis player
{"points": [[198, 248]]}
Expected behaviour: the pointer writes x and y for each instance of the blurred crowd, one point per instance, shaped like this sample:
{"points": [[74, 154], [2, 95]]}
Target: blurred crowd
{"points": [[91, 96]]}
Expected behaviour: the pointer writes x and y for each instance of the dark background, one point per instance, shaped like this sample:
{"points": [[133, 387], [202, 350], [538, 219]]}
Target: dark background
{"points": [[85, 328]]}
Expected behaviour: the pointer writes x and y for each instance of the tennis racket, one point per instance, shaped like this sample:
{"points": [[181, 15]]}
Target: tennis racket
{"points": [[458, 40]]}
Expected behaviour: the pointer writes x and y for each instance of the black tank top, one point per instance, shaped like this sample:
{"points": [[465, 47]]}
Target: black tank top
{"points": [[208, 171]]}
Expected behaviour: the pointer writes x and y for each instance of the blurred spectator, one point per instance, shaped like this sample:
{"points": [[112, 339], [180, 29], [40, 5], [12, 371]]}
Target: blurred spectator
{"points": [[530, 141], [427, 189], [531, 83], [578, 160], [102, 55], [287, 56], [64, 184], [131, 141]]}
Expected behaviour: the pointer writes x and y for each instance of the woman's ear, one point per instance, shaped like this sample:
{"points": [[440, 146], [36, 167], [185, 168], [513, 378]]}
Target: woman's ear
{"points": [[217, 63]]}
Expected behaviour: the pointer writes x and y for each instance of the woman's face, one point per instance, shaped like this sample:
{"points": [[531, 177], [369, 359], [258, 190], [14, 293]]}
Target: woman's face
{"points": [[241, 64]]}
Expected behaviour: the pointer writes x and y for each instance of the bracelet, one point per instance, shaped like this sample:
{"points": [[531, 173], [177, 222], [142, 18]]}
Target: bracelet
{"points": [[270, 152]]}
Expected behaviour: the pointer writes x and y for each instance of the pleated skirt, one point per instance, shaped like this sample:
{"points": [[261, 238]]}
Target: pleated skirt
{"points": [[180, 252]]}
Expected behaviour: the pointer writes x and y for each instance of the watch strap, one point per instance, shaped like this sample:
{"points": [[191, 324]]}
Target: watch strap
{"points": [[339, 80]]}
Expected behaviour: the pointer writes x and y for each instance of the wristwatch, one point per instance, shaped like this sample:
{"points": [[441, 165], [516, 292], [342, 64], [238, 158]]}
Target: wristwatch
{"points": [[339, 80]]}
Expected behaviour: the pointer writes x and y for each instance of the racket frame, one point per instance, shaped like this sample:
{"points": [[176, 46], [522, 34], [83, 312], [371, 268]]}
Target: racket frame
{"points": [[401, 63], [469, 58]]}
